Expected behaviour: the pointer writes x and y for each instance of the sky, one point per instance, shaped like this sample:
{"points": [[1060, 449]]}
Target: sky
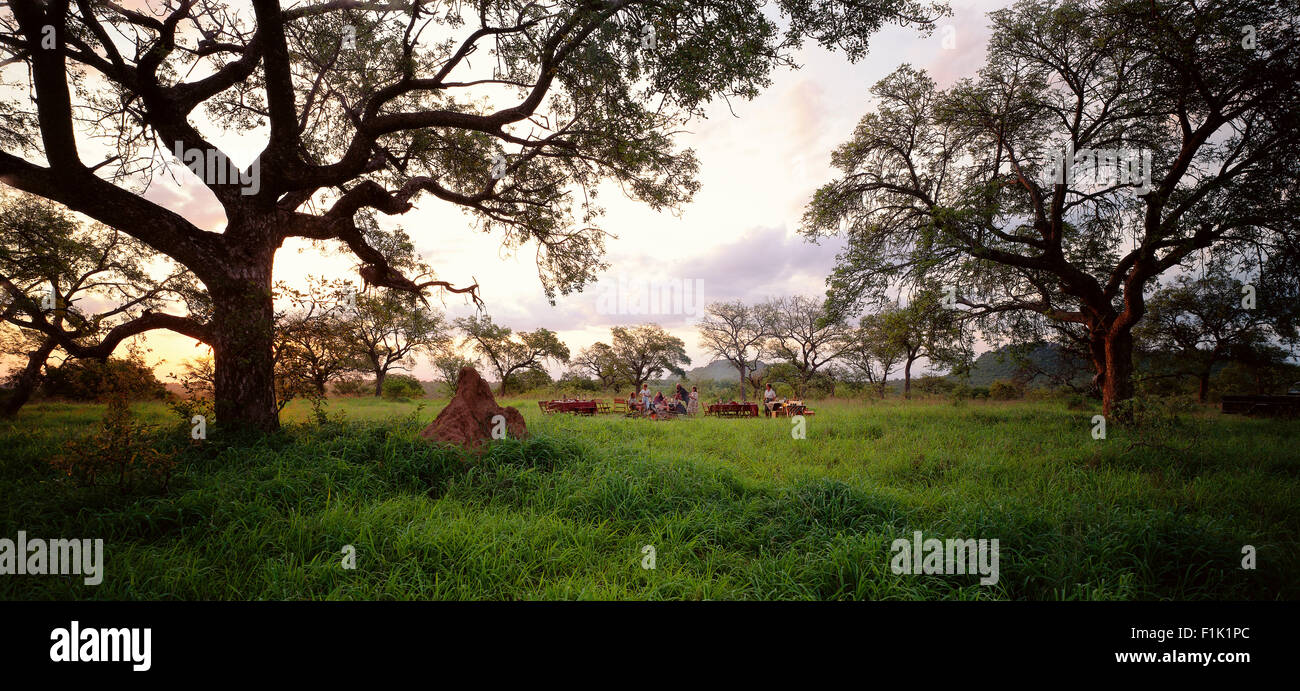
{"points": [[760, 162]]}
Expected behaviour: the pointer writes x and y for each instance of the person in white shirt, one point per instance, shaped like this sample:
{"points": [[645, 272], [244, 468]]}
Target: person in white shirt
{"points": [[646, 398], [769, 399]]}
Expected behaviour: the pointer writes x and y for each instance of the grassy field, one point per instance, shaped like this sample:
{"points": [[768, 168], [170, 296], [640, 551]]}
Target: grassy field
{"points": [[736, 509]]}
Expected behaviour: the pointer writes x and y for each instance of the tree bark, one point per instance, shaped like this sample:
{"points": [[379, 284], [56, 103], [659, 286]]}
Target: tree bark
{"points": [[379, 382], [1097, 350], [907, 378], [1117, 379], [1205, 385], [243, 334]]}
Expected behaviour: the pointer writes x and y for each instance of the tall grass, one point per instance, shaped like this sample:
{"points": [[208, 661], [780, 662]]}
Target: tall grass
{"points": [[735, 509]]}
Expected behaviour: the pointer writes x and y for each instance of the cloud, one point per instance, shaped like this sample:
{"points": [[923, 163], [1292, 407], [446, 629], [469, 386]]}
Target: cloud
{"points": [[190, 199], [970, 33]]}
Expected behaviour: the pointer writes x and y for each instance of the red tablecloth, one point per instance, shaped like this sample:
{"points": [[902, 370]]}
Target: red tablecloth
{"points": [[584, 407], [734, 409]]}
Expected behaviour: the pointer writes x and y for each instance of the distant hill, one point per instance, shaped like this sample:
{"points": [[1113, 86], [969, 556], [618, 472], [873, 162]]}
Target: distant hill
{"points": [[999, 364]]}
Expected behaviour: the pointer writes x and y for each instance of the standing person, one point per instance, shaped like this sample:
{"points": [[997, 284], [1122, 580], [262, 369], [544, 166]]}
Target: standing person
{"points": [[694, 406], [680, 394], [645, 397], [769, 399]]}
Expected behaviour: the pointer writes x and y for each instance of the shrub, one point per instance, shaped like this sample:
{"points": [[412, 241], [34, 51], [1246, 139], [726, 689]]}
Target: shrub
{"points": [[353, 386], [187, 408], [528, 380], [91, 380], [1003, 390], [575, 383], [1156, 421], [123, 452], [402, 386], [1076, 402], [935, 385]]}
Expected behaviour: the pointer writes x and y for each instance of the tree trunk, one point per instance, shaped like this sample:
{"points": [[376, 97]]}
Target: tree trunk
{"points": [[907, 378], [27, 380], [1097, 350], [379, 382], [243, 331], [742, 382], [1117, 379], [243, 335], [1205, 385]]}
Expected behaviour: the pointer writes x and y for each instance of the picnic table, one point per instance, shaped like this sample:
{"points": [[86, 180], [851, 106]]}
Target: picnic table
{"points": [[573, 406], [733, 410]]}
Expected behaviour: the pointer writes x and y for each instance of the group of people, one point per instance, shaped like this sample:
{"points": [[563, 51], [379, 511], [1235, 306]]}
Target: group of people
{"points": [[681, 402]]}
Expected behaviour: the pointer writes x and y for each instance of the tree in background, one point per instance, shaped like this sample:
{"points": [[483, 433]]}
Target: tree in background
{"points": [[599, 361], [646, 352], [388, 329], [360, 108], [1199, 322], [965, 186], [93, 379], [509, 352], [448, 366], [806, 336], [527, 380], [737, 333], [1261, 368], [925, 328], [72, 287], [872, 355], [316, 333]]}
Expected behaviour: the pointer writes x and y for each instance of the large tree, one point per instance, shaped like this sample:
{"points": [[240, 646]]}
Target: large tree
{"points": [[966, 186], [646, 352], [513, 110]]}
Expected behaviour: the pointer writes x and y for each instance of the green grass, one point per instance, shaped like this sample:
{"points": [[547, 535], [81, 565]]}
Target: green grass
{"points": [[736, 509]]}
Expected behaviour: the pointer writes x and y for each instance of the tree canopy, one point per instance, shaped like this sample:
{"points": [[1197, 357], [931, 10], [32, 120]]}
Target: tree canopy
{"points": [[341, 111], [1104, 143]]}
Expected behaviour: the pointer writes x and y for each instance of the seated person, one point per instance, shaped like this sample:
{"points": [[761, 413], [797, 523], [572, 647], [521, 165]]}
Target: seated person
{"points": [[769, 399]]}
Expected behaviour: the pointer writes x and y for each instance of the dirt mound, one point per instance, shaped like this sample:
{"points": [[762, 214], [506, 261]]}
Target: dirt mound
{"points": [[468, 418]]}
